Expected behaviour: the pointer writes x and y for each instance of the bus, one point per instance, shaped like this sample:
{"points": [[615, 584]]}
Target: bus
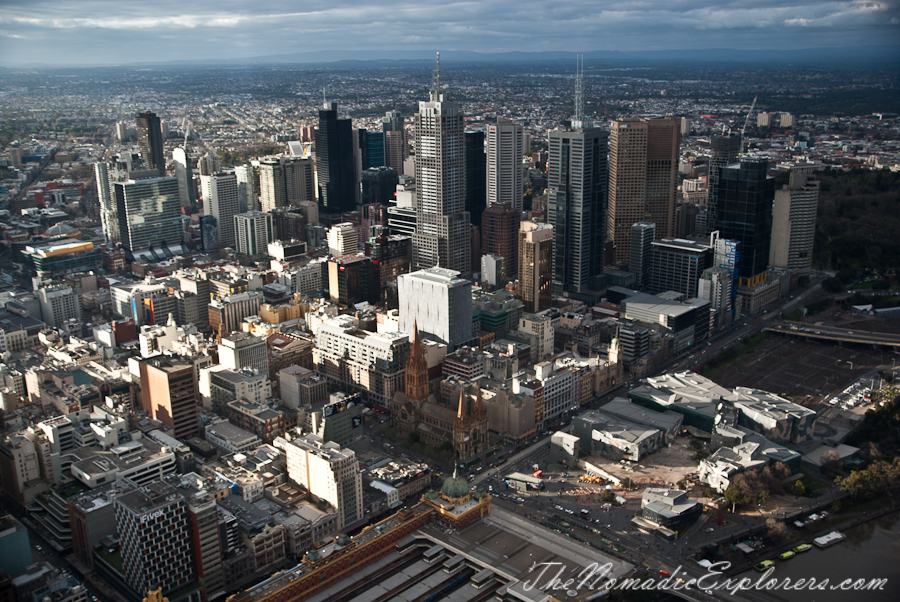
{"points": [[522, 482]]}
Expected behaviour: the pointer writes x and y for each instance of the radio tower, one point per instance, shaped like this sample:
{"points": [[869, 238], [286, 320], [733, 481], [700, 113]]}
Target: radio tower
{"points": [[579, 120]]}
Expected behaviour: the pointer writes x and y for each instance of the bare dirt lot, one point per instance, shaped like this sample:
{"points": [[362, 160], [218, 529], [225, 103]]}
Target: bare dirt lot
{"points": [[804, 372]]}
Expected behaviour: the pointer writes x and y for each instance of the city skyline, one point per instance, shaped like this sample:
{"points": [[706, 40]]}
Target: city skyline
{"points": [[96, 32]]}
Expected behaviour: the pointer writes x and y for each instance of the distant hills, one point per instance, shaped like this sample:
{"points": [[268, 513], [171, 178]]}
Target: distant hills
{"points": [[847, 56]]}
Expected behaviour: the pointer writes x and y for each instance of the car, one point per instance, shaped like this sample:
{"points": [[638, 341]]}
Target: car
{"points": [[558, 507], [569, 511], [491, 488]]}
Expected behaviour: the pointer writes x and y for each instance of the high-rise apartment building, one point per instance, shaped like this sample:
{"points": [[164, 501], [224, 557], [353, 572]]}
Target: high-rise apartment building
{"points": [[328, 472], [203, 520], [535, 266], [334, 161], [643, 178], [443, 236], [794, 224], [505, 174], [272, 193], [353, 279], [642, 235], [226, 315], [440, 302], [148, 212], [299, 182], [723, 151], [223, 204], [499, 232], [168, 394], [152, 524], [576, 206], [254, 231], [745, 193], [476, 176], [395, 147], [150, 141], [248, 199]]}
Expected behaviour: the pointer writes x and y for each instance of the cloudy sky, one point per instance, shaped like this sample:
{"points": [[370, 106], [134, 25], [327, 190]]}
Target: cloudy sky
{"points": [[101, 31]]}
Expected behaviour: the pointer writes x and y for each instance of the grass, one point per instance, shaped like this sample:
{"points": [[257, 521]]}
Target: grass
{"points": [[114, 559], [811, 483], [863, 285]]}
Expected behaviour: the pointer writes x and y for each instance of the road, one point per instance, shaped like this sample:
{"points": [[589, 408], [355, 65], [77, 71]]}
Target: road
{"points": [[835, 334]]}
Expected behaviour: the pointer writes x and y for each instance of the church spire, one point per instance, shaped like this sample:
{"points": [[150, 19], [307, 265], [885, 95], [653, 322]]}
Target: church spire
{"points": [[461, 412], [416, 369], [479, 404]]}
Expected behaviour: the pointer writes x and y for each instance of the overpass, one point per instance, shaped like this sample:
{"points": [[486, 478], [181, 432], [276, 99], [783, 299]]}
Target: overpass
{"points": [[835, 335]]}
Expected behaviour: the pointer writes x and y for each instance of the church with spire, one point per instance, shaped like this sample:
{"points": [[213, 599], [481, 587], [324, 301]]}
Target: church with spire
{"points": [[461, 422]]}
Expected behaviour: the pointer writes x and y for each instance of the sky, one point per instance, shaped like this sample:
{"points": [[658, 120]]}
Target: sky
{"points": [[102, 32]]}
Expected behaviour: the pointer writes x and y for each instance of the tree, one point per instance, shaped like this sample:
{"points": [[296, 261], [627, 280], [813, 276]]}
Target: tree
{"points": [[734, 495], [608, 496], [762, 496], [776, 528], [830, 462], [626, 483], [832, 285], [799, 489]]}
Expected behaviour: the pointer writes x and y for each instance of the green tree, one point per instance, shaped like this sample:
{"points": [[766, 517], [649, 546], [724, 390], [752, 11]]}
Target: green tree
{"points": [[762, 496], [832, 285], [799, 489], [734, 495]]}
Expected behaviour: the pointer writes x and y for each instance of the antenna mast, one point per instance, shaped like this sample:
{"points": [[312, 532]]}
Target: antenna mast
{"points": [[437, 79], [578, 120]]}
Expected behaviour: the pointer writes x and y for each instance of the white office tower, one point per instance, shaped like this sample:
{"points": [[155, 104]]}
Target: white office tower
{"points": [[223, 204], [442, 236], [272, 192], [184, 173], [243, 350], [328, 472], [343, 240], [248, 199], [439, 303], [254, 231], [794, 224], [59, 303], [505, 172], [715, 285]]}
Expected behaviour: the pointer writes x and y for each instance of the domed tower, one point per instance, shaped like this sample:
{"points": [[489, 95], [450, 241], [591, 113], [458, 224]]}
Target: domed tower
{"points": [[456, 490], [416, 370]]}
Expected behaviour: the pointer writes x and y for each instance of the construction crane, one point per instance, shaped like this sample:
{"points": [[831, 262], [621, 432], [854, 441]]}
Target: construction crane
{"points": [[747, 120]]}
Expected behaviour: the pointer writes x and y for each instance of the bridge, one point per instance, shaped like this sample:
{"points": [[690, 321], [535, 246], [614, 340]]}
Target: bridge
{"points": [[835, 335]]}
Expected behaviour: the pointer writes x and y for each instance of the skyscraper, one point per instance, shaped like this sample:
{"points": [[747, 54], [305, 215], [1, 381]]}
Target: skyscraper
{"points": [[148, 212], [272, 193], [724, 151], [378, 185], [168, 394], [254, 231], [643, 177], [476, 176], [150, 141], [794, 224], [184, 173], [223, 204], [443, 236], [505, 175], [642, 235], [535, 266], [745, 194], [248, 200], [299, 183], [152, 524], [334, 161], [439, 303], [108, 217], [499, 235], [395, 147], [576, 206]]}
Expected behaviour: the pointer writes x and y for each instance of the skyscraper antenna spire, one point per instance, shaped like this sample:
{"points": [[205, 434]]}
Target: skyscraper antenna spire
{"points": [[437, 78], [578, 120], [324, 100]]}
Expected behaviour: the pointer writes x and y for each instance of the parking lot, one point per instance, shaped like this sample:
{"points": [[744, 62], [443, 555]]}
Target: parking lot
{"points": [[803, 371]]}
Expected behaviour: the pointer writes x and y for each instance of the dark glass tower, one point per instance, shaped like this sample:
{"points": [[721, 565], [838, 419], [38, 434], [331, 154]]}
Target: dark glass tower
{"points": [[379, 185], [745, 194], [334, 161], [724, 151], [476, 176], [149, 135], [576, 207]]}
